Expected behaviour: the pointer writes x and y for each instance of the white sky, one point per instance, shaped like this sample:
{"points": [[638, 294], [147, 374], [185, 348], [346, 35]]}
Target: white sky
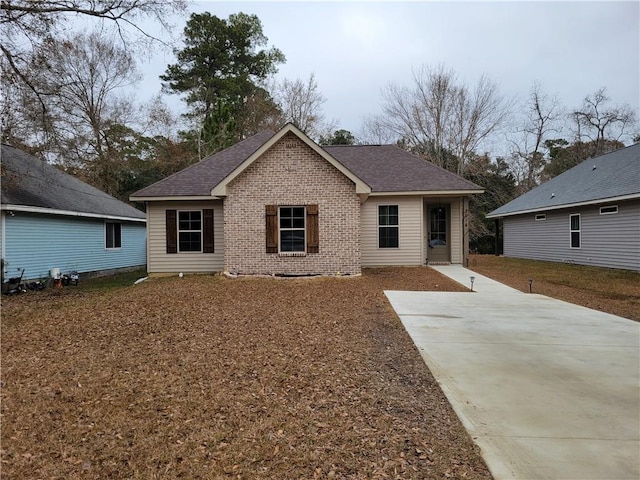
{"points": [[355, 48]]}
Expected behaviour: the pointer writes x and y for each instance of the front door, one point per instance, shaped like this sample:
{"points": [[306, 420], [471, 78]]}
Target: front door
{"points": [[438, 234]]}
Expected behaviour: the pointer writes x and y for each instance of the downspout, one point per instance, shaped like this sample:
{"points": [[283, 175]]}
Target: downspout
{"points": [[497, 237]]}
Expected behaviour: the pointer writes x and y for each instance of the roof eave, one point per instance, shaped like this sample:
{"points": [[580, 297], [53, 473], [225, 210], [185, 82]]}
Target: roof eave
{"points": [[69, 213], [169, 198], [221, 188], [566, 205], [439, 193]]}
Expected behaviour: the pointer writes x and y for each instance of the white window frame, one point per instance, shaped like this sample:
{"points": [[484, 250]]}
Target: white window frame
{"points": [[540, 217], [613, 208], [106, 229], [303, 229], [178, 230], [397, 226], [578, 231]]}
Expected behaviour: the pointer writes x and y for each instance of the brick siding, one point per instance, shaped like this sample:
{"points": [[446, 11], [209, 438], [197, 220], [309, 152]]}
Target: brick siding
{"points": [[292, 174]]}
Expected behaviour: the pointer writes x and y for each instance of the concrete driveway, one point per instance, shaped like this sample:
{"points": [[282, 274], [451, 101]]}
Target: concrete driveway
{"points": [[547, 389]]}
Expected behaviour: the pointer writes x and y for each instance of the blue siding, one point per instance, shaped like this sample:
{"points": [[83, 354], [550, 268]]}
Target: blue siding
{"points": [[42, 242]]}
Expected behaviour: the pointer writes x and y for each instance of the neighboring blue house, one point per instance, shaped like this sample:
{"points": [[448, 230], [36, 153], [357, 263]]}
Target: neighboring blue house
{"points": [[50, 219], [588, 215]]}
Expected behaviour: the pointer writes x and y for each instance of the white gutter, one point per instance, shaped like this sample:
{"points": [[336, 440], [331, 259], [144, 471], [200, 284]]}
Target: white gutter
{"points": [[68, 213], [438, 193], [171, 199], [568, 205]]}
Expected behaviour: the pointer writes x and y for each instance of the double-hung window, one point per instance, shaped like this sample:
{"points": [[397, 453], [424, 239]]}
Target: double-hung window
{"points": [[113, 235], [574, 225], [388, 226], [292, 229], [190, 231]]}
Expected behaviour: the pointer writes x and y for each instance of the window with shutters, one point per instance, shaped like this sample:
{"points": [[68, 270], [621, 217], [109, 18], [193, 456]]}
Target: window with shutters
{"points": [[189, 231], [292, 230]]}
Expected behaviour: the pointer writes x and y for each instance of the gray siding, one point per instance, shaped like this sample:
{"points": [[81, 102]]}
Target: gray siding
{"points": [[606, 240], [39, 243]]}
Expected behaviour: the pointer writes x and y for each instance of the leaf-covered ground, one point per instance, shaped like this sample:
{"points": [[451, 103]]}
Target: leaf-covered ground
{"points": [[605, 289], [208, 377]]}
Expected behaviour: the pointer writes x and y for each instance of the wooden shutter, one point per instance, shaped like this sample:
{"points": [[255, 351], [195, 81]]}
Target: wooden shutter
{"points": [[313, 241], [207, 230], [271, 215], [171, 232]]}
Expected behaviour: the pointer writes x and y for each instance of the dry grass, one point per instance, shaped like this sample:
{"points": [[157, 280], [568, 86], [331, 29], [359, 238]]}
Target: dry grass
{"points": [[605, 289], [208, 377]]}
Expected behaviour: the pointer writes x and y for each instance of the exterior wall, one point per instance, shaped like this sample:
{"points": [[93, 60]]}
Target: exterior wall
{"points": [[159, 261], [40, 242], [606, 240], [411, 236], [291, 173], [456, 230]]}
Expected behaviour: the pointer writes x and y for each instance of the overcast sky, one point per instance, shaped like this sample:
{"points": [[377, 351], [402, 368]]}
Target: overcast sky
{"points": [[356, 48]]}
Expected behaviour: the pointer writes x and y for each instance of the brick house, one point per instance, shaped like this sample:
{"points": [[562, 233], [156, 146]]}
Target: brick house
{"points": [[279, 204]]}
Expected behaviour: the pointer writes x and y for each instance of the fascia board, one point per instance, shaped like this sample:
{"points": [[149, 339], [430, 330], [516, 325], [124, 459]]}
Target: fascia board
{"points": [[172, 198], [567, 205], [221, 188], [69, 213], [432, 193]]}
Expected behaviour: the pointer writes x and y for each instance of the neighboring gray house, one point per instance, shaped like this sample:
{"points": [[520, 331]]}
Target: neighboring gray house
{"points": [[588, 215], [50, 219], [278, 203]]}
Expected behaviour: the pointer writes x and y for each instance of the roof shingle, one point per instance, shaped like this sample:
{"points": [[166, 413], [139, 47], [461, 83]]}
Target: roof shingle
{"points": [[615, 174], [28, 181]]}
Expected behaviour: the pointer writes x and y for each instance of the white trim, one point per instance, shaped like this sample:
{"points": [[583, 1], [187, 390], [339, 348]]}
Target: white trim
{"points": [[540, 217], [572, 231], [69, 213], [612, 212], [173, 198], [631, 196], [111, 222], [178, 212], [378, 205], [428, 193], [221, 188], [304, 231]]}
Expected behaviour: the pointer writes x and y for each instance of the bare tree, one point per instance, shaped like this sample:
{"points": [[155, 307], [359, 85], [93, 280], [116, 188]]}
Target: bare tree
{"points": [[441, 119], [83, 78], [596, 120], [27, 24], [543, 114], [301, 102]]}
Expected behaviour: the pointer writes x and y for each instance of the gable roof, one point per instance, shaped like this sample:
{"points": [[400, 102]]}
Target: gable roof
{"points": [[29, 184], [373, 169], [610, 177], [387, 168], [197, 181], [361, 187]]}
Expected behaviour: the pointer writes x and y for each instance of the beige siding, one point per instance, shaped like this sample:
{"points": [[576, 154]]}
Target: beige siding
{"points": [[161, 262], [410, 250], [455, 231]]}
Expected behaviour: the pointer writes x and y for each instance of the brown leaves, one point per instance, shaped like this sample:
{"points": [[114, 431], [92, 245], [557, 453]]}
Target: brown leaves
{"points": [[206, 377]]}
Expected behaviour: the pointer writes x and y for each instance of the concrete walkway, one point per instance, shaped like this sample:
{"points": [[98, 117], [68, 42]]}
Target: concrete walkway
{"points": [[547, 389]]}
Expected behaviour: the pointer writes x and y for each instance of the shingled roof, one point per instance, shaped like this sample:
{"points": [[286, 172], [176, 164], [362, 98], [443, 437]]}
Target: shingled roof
{"points": [[384, 168], [615, 175], [387, 168], [30, 183]]}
